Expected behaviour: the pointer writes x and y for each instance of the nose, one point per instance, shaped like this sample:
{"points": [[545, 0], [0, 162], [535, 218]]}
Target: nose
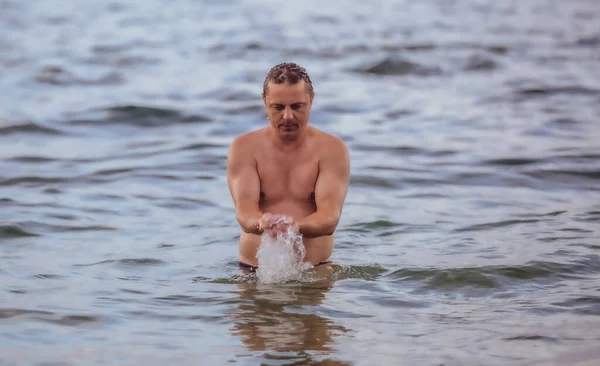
{"points": [[287, 113]]}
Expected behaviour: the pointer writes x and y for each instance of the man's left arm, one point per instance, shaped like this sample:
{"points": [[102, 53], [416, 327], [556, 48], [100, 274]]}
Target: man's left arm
{"points": [[330, 192]]}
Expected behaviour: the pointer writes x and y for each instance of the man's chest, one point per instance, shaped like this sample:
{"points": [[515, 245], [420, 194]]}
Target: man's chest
{"points": [[284, 177]]}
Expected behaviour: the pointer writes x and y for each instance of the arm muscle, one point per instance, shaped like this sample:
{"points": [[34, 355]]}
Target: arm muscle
{"points": [[330, 192], [244, 184]]}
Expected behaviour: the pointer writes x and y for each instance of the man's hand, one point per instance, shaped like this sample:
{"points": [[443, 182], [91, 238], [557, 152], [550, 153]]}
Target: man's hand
{"points": [[276, 223]]}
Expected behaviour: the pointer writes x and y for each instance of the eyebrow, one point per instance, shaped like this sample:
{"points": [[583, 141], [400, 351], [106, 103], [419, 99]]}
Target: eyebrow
{"points": [[293, 104]]}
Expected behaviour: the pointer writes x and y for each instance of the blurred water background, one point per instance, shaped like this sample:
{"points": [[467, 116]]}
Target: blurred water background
{"points": [[470, 234]]}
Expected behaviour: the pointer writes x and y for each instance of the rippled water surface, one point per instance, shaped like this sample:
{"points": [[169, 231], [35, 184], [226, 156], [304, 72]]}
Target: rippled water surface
{"points": [[470, 234]]}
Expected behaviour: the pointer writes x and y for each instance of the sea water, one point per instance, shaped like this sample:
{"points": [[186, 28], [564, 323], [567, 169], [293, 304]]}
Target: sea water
{"points": [[280, 258], [471, 230]]}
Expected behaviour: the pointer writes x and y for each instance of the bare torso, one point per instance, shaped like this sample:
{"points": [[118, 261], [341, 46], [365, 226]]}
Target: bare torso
{"points": [[287, 183]]}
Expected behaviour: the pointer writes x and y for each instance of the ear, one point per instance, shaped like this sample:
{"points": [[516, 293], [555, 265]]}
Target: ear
{"points": [[312, 96]]}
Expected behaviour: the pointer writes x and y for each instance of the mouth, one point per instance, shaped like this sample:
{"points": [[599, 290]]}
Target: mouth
{"points": [[288, 127]]}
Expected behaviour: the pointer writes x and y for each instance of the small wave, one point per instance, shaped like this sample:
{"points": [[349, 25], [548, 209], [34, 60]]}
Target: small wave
{"points": [[168, 177], [425, 182], [230, 95], [399, 150], [182, 203], [587, 305], [495, 225], [563, 122], [189, 300], [447, 279], [65, 228], [532, 337], [100, 49], [480, 63], [164, 246], [232, 280], [399, 113], [410, 47], [378, 224], [346, 314], [201, 146], [47, 276], [589, 41], [31, 181], [367, 273], [238, 49], [134, 292], [244, 110], [486, 179], [498, 49], [564, 175], [550, 91], [52, 204], [137, 115], [333, 108], [395, 168], [14, 231], [105, 172], [7, 313], [512, 161], [154, 315], [371, 181], [571, 238], [403, 150], [394, 302], [127, 261], [591, 216], [29, 128], [553, 213], [390, 66], [47, 316], [56, 75], [427, 195], [32, 159], [575, 230], [75, 320], [490, 276], [577, 158]]}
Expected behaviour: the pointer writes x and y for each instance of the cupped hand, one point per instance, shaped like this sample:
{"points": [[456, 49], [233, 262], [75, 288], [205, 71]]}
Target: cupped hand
{"points": [[265, 221], [276, 223]]}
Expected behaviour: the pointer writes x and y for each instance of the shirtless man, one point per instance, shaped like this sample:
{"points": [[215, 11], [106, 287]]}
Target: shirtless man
{"points": [[288, 169]]}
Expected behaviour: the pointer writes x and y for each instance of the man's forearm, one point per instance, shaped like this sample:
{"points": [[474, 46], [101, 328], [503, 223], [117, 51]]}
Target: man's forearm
{"points": [[249, 221], [318, 224]]}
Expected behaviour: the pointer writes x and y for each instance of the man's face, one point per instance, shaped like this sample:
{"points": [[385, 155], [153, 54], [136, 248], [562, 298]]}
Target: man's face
{"points": [[288, 107]]}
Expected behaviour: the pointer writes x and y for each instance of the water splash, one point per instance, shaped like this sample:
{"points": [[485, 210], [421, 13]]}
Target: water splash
{"points": [[280, 258]]}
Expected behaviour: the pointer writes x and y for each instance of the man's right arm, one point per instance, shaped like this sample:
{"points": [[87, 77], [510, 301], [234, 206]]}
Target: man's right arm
{"points": [[244, 184]]}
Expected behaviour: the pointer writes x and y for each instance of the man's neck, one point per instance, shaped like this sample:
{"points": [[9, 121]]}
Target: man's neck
{"points": [[287, 144]]}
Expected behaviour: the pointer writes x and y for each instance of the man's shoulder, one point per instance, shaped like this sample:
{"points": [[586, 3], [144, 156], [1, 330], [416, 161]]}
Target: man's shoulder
{"points": [[247, 140], [330, 141]]}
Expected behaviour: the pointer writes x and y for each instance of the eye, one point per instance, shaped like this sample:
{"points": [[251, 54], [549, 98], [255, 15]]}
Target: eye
{"points": [[296, 106], [279, 107]]}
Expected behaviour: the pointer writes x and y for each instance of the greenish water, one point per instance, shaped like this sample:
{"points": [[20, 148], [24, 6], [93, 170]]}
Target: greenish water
{"points": [[471, 231]]}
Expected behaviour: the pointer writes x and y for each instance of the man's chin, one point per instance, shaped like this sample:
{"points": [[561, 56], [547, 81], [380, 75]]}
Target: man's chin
{"points": [[289, 132], [288, 128]]}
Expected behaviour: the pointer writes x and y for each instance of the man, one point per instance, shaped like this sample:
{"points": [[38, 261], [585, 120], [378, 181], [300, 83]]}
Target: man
{"points": [[288, 175]]}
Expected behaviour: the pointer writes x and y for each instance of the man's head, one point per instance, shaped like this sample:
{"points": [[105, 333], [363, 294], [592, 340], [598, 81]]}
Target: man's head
{"points": [[288, 95]]}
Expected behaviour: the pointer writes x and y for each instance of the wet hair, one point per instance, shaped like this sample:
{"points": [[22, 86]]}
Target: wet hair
{"points": [[287, 72]]}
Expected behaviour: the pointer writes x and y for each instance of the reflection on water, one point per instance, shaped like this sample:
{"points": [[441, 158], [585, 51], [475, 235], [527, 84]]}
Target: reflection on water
{"points": [[279, 322]]}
